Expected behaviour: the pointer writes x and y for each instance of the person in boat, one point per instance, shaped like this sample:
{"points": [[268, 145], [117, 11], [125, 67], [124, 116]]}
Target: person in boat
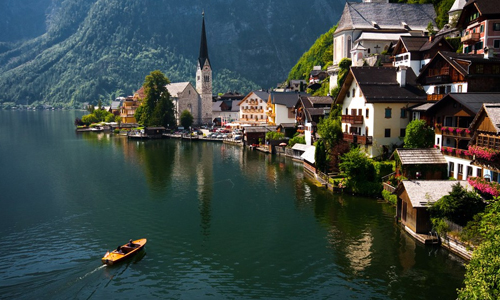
{"points": [[119, 250], [131, 244]]}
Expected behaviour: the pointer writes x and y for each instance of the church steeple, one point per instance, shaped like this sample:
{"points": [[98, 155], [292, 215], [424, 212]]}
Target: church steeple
{"points": [[204, 79], [203, 45]]}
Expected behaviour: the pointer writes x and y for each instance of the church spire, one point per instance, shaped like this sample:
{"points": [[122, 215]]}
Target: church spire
{"points": [[203, 45]]}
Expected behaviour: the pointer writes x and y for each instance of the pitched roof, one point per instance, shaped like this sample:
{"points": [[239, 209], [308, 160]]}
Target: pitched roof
{"points": [[472, 101], [421, 156], [285, 98], [264, 95], [423, 192], [492, 110], [258, 129], [386, 16], [308, 155], [177, 87], [216, 106], [380, 85], [318, 100], [461, 62]]}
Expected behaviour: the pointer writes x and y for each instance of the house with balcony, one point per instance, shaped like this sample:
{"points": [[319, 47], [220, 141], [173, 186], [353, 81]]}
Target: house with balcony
{"points": [[417, 51], [253, 108], [484, 146], [225, 111], [130, 105], [374, 103], [480, 24], [367, 29], [281, 107], [450, 72], [451, 118], [308, 112]]}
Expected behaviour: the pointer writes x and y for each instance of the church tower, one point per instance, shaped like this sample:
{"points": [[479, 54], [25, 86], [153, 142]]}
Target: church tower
{"points": [[204, 79]]}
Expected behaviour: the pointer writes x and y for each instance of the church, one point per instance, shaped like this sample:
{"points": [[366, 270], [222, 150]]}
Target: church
{"points": [[197, 100]]}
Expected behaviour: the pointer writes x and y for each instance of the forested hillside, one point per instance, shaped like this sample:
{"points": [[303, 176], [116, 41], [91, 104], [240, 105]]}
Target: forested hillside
{"points": [[104, 48]]}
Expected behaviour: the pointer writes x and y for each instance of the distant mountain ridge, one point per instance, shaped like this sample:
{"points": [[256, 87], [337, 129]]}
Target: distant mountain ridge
{"points": [[93, 49]]}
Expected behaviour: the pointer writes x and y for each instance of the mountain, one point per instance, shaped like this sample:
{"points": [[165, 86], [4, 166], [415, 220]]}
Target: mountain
{"points": [[84, 50]]}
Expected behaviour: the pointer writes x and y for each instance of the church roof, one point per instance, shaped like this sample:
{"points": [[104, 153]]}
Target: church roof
{"points": [[386, 16], [177, 87], [203, 46]]}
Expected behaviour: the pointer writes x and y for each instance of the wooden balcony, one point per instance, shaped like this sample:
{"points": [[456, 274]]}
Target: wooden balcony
{"points": [[358, 139], [460, 153], [454, 132], [437, 79], [352, 119], [471, 38], [435, 97]]}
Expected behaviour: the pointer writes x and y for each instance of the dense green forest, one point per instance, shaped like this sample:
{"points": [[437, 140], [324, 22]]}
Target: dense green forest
{"points": [[93, 50]]}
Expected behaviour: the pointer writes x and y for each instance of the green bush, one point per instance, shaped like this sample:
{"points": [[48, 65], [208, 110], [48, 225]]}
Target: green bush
{"points": [[390, 197]]}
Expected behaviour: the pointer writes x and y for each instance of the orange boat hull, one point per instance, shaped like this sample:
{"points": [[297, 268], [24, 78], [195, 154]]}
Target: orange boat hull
{"points": [[114, 257]]}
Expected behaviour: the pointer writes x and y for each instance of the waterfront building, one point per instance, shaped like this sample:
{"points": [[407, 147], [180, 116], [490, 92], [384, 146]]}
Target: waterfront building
{"points": [[280, 107], [308, 112], [130, 105], [253, 108], [374, 103]]}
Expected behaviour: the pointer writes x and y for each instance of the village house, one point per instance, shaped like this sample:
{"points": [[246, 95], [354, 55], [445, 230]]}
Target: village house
{"points": [[485, 144], [280, 107], [417, 51], [450, 72], [308, 112], [130, 105], [480, 22], [253, 108], [374, 103], [366, 30], [225, 112], [316, 77]]}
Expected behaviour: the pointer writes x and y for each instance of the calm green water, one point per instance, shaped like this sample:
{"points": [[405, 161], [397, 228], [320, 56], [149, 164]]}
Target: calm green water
{"points": [[221, 223]]}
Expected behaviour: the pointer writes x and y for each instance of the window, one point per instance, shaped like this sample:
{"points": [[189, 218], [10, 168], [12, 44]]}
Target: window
{"points": [[451, 168], [388, 113], [460, 88], [438, 141], [353, 92], [387, 132], [479, 68], [478, 46], [481, 29], [479, 172], [496, 26], [360, 112], [460, 169], [348, 94], [496, 44], [403, 113], [367, 113], [346, 111], [207, 78], [402, 132], [469, 171]]}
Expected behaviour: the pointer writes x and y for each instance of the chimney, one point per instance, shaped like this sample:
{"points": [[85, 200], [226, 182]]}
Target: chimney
{"points": [[487, 53], [401, 76]]}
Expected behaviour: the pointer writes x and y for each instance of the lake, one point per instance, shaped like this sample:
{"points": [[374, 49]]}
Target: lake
{"points": [[222, 222]]}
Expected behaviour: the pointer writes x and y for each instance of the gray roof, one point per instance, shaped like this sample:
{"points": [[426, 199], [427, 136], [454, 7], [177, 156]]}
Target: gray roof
{"points": [[321, 100], [300, 147], [421, 156], [259, 129], [423, 107], [264, 95], [287, 99], [216, 105], [115, 104], [424, 192], [379, 85], [386, 16], [472, 101], [287, 125], [174, 89]]}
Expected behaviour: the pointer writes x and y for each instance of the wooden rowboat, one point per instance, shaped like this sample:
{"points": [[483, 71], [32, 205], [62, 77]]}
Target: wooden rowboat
{"points": [[123, 252]]}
